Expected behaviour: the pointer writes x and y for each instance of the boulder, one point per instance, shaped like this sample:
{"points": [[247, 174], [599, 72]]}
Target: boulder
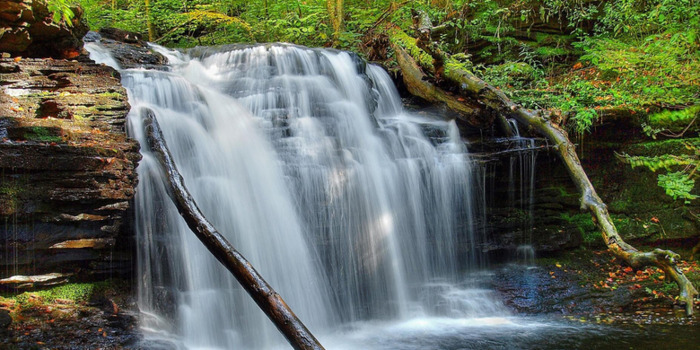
{"points": [[27, 29]]}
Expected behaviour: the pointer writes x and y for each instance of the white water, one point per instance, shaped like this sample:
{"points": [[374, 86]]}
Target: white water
{"points": [[358, 213]]}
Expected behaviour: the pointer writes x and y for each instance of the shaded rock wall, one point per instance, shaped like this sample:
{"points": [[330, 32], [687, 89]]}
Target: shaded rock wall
{"points": [[641, 210], [521, 211], [66, 171]]}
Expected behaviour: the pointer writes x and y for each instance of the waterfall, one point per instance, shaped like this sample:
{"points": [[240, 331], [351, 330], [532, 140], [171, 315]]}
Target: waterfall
{"points": [[522, 164], [353, 209]]}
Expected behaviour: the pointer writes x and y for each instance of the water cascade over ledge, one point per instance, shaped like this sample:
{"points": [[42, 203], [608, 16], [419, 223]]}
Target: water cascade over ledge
{"points": [[353, 209]]}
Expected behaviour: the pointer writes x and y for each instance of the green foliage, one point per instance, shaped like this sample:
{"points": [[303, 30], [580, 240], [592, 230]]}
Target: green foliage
{"points": [[511, 75], [61, 10], [636, 58], [676, 121], [667, 161], [640, 18], [679, 180], [678, 185]]}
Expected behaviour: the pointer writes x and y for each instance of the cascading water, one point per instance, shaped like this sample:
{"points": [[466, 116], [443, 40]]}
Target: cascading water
{"points": [[522, 166], [351, 208], [358, 213]]}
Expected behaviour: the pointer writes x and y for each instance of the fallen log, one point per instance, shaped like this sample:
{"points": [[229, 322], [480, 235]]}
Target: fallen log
{"points": [[473, 91], [267, 299]]}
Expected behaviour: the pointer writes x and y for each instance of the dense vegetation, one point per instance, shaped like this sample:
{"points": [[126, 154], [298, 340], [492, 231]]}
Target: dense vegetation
{"points": [[588, 61]]}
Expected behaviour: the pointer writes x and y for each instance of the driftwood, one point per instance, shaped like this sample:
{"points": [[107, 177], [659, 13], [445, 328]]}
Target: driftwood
{"points": [[267, 299], [475, 91]]}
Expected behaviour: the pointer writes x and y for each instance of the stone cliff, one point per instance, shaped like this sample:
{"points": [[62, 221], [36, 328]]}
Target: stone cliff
{"points": [[67, 167]]}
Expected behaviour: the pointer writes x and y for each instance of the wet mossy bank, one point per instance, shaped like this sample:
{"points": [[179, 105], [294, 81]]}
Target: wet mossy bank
{"points": [[71, 316]]}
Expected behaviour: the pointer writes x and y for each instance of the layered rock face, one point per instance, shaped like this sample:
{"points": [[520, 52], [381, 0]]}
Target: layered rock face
{"points": [[27, 29], [67, 171]]}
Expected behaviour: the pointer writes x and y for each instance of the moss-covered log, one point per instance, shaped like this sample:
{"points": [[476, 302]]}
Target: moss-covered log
{"points": [[476, 92], [267, 298]]}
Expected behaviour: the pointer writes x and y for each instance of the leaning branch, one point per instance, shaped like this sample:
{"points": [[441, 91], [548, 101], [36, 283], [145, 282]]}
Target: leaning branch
{"points": [[267, 299], [492, 100]]}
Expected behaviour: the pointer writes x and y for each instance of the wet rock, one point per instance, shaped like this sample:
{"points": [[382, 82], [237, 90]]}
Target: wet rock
{"points": [[5, 319], [27, 29], [128, 48], [26, 282], [122, 36], [108, 321], [93, 243], [92, 37], [535, 290]]}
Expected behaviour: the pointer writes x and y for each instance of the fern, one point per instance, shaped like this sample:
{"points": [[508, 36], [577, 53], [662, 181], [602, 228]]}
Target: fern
{"points": [[61, 11]]}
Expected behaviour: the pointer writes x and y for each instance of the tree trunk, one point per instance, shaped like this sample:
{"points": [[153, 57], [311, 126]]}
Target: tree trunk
{"points": [[493, 100], [149, 22], [114, 11], [335, 13], [267, 299]]}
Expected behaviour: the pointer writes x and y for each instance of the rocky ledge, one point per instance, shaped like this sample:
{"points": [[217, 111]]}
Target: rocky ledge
{"points": [[67, 172]]}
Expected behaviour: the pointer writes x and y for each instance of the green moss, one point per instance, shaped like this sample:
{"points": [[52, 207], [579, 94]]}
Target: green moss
{"points": [[658, 148], [75, 292], [584, 223], [676, 121], [42, 134], [400, 38], [115, 95], [9, 197], [453, 68]]}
